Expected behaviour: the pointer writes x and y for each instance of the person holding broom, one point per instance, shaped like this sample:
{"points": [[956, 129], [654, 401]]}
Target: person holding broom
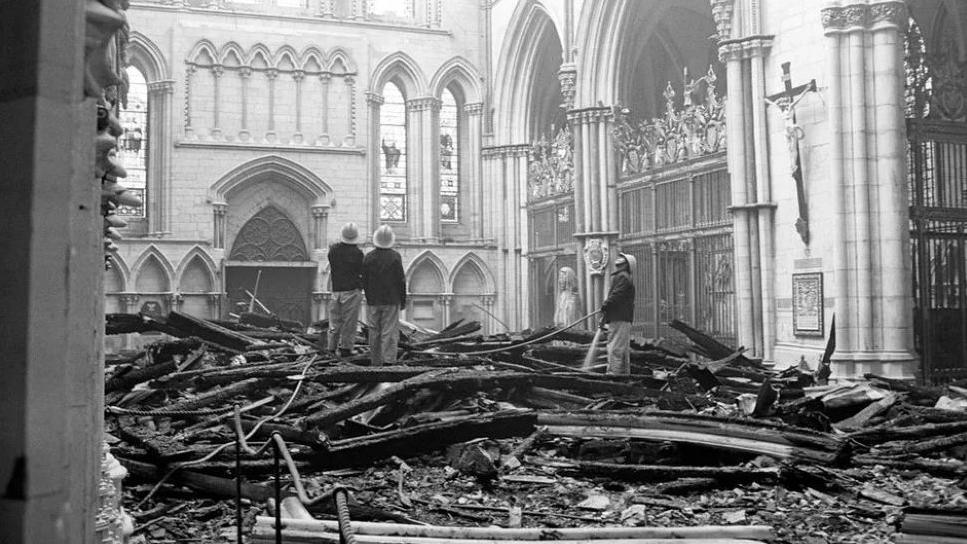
{"points": [[617, 312]]}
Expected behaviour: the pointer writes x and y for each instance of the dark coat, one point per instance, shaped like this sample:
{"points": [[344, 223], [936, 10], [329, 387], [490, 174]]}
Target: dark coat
{"points": [[345, 266], [620, 304], [383, 279]]}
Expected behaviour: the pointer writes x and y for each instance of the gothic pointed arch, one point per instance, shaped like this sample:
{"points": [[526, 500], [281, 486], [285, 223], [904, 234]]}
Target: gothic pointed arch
{"points": [[269, 235], [426, 274], [231, 54], [528, 93], [341, 56], [312, 59], [626, 42], [401, 69], [286, 58], [204, 53], [153, 272], [297, 176], [259, 57], [196, 269], [471, 263], [458, 74], [117, 276], [147, 56]]}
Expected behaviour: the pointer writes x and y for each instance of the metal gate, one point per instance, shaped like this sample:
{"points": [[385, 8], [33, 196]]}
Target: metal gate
{"points": [[936, 110], [938, 223]]}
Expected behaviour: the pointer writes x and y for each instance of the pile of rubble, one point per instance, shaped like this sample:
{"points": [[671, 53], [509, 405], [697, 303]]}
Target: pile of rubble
{"points": [[508, 430]]}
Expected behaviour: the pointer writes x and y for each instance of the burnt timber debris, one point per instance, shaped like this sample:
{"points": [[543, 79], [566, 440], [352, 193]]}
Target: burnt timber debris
{"points": [[504, 437]]}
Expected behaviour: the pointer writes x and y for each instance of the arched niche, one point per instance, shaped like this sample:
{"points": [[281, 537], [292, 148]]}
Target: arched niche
{"points": [[152, 277], [425, 282]]}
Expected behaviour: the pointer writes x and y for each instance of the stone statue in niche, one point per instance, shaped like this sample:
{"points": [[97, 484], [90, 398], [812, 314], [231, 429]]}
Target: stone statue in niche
{"points": [[567, 305]]}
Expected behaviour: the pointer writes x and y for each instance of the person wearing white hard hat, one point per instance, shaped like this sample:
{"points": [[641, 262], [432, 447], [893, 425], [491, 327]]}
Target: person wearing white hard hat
{"points": [[618, 310], [346, 272], [385, 285]]}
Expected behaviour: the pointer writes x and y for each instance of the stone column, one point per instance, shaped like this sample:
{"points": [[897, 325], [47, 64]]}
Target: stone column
{"points": [[298, 76], [474, 174], [174, 301], [325, 80], [320, 221], [217, 71], [215, 305], [159, 165], [423, 168], [374, 101], [889, 21], [129, 302], [219, 210], [490, 324], [446, 303], [245, 74], [271, 75], [872, 271]]}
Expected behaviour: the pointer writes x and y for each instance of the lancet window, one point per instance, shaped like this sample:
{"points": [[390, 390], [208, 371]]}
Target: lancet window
{"points": [[392, 164], [449, 158], [133, 143]]}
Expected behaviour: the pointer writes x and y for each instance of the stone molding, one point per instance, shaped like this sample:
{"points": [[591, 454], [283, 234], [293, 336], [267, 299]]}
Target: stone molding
{"points": [[567, 75], [374, 99], [509, 150], [166, 86], [745, 48], [859, 17], [474, 108], [423, 104], [586, 115]]}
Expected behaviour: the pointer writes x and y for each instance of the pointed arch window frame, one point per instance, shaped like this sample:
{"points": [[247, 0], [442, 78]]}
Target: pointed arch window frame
{"points": [[393, 178], [452, 143]]}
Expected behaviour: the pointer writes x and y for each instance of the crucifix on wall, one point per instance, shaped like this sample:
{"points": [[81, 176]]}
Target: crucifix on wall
{"points": [[786, 101]]}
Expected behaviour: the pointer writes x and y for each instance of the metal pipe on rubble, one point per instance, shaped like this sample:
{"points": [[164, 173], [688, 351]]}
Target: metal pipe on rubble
{"points": [[346, 534], [278, 492]]}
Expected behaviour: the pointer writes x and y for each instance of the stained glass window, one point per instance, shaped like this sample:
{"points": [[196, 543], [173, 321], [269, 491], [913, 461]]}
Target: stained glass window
{"points": [[133, 143], [449, 158], [392, 163]]}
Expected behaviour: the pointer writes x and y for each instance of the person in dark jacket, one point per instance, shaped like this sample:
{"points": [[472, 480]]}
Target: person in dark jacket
{"points": [[385, 285], [346, 272], [618, 310]]}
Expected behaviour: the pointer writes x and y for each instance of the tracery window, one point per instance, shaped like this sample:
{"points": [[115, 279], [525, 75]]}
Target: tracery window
{"points": [[449, 158], [133, 143], [392, 164]]}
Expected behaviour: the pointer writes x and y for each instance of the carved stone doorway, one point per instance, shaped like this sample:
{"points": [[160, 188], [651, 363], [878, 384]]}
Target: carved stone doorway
{"points": [[269, 259]]}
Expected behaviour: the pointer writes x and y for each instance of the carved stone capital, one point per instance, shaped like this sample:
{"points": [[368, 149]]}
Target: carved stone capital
{"points": [[374, 99], [722, 15], [889, 14], [349, 80], [245, 72], [271, 73], [217, 70], [298, 75], [568, 75], [129, 299], [214, 298], [174, 300], [488, 300], [446, 299], [166, 86], [325, 78], [220, 208], [321, 296], [474, 108], [423, 104], [744, 48], [320, 212]]}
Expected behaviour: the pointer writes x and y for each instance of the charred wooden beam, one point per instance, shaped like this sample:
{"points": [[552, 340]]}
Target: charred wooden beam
{"points": [[420, 439], [652, 473], [206, 330]]}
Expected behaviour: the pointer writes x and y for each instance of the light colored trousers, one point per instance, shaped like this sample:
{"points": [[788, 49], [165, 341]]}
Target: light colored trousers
{"points": [[384, 333], [619, 347], [343, 315]]}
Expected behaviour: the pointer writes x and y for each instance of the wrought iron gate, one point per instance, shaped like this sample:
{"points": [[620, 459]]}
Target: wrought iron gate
{"points": [[938, 223], [936, 110]]}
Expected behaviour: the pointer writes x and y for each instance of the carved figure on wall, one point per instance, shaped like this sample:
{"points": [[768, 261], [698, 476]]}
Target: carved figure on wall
{"points": [[391, 156], [550, 164], [446, 151], [596, 255], [694, 130], [568, 303]]}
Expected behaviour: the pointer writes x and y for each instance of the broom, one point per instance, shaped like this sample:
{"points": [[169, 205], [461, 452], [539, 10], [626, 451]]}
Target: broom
{"points": [[593, 348]]}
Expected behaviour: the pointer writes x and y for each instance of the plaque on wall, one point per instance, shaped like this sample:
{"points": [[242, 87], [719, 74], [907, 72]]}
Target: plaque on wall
{"points": [[807, 304], [596, 255]]}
